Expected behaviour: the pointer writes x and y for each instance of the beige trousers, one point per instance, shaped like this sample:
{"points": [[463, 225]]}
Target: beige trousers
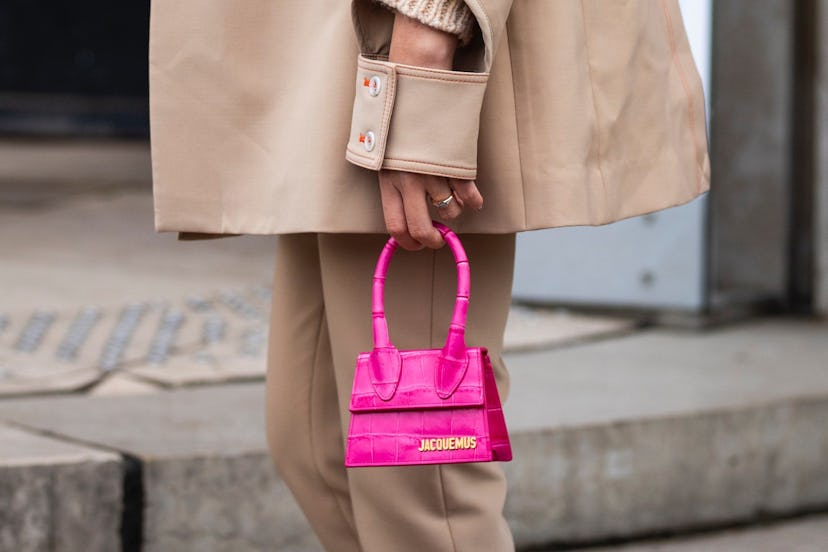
{"points": [[320, 321]]}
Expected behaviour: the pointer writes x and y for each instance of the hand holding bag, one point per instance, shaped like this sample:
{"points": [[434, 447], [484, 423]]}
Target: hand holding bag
{"points": [[433, 406]]}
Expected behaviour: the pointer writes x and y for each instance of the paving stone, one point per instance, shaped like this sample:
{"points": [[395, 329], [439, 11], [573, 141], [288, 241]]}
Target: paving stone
{"points": [[57, 496], [536, 328], [22, 375], [122, 384], [214, 337], [209, 366], [662, 372], [168, 342]]}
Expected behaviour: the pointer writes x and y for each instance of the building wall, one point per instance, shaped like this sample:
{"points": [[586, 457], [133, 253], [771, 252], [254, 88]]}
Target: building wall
{"points": [[750, 149]]}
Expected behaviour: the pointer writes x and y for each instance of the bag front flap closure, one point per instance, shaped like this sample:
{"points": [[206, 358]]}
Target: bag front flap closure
{"points": [[417, 378]]}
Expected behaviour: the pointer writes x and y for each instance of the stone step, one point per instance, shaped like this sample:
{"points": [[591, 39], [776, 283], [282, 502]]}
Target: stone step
{"points": [[206, 478], [57, 495], [805, 534], [665, 430], [37, 171], [654, 431]]}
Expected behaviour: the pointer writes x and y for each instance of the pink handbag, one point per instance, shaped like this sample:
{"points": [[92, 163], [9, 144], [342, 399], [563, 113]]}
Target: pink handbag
{"points": [[434, 406]]}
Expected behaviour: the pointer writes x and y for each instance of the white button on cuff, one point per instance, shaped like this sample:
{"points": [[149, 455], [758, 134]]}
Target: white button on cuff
{"points": [[375, 86], [370, 141]]}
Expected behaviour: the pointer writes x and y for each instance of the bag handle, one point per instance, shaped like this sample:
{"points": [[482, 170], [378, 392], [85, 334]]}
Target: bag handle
{"points": [[385, 358]]}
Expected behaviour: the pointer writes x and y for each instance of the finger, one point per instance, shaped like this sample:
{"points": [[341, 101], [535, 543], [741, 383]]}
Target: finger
{"points": [[393, 212], [468, 194], [417, 216], [438, 189]]}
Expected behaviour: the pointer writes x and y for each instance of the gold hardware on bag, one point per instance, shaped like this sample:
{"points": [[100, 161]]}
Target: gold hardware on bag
{"points": [[447, 443]]}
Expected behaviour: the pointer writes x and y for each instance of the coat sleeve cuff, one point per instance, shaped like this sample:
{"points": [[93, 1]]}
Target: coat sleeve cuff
{"points": [[415, 119]]}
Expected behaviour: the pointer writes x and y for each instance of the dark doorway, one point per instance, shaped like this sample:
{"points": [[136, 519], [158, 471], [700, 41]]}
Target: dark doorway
{"points": [[73, 68]]}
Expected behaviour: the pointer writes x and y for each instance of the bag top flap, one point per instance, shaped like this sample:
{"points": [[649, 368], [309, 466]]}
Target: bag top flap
{"points": [[417, 386]]}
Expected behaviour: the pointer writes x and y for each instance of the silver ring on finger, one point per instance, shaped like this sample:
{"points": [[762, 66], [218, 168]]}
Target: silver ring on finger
{"points": [[443, 203]]}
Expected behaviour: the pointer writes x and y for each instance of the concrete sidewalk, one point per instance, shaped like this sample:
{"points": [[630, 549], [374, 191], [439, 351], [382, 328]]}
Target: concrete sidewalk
{"points": [[102, 303]]}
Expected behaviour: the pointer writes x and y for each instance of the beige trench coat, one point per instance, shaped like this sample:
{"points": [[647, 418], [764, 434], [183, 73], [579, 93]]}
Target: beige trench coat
{"points": [[593, 112]]}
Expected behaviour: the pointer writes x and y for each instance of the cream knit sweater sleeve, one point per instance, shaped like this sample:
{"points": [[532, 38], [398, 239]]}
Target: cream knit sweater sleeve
{"points": [[451, 16]]}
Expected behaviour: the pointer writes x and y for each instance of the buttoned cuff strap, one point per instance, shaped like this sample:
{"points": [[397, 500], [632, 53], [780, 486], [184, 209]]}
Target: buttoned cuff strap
{"points": [[416, 119]]}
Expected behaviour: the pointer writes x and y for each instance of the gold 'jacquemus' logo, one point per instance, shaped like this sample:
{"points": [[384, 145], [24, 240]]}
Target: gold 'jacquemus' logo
{"points": [[447, 443]]}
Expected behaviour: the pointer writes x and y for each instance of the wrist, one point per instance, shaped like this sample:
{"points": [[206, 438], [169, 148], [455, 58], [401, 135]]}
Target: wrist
{"points": [[414, 43]]}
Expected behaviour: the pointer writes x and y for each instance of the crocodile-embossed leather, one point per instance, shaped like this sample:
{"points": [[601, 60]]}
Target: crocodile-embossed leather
{"points": [[433, 406]]}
